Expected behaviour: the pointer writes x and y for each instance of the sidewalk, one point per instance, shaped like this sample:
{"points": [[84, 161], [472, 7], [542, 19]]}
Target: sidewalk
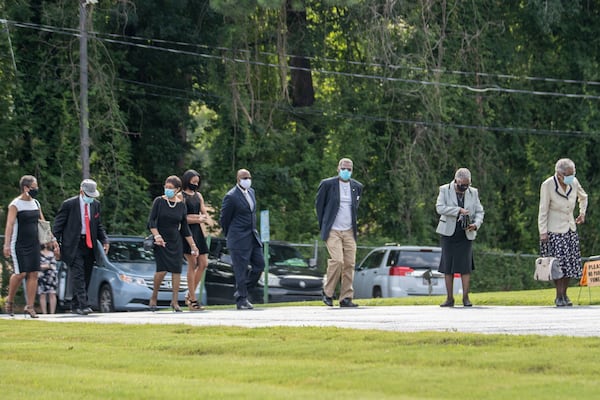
{"points": [[516, 320]]}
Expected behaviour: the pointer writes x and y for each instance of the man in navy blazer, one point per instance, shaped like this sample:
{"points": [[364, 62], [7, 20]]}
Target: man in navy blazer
{"points": [[238, 221], [78, 243], [337, 206]]}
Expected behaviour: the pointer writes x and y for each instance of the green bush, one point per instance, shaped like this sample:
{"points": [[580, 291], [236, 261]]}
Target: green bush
{"points": [[499, 271]]}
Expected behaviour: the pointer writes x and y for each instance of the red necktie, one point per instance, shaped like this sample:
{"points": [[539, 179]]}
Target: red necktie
{"points": [[88, 231]]}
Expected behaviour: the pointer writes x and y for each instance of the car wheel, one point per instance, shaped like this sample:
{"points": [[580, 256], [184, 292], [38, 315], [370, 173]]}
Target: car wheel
{"points": [[376, 292], [105, 299]]}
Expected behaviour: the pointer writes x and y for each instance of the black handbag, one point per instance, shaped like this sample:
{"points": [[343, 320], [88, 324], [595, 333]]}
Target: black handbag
{"points": [[149, 242], [465, 221]]}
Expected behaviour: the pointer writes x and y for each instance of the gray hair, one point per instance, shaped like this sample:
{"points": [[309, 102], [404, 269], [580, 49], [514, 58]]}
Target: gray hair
{"points": [[462, 173], [563, 165], [345, 160]]}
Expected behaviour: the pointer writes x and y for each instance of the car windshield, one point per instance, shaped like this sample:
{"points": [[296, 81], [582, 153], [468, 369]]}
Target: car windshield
{"points": [[417, 259], [129, 251], [286, 256]]}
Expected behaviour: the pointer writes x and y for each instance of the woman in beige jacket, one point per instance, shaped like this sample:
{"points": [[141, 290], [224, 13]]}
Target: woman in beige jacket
{"points": [[557, 226]]}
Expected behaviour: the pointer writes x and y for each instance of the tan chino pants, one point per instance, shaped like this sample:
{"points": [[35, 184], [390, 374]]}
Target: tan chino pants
{"points": [[342, 252]]}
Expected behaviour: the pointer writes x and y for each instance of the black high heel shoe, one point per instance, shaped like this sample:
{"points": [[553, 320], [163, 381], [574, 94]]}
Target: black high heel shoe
{"points": [[193, 305], [29, 311], [152, 306], [175, 307]]}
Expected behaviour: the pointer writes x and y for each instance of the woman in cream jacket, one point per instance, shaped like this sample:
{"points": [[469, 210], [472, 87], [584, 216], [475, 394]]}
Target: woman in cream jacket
{"points": [[557, 226]]}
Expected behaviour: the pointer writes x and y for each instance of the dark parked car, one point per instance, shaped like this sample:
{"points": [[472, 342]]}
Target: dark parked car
{"points": [[123, 279], [290, 277]]}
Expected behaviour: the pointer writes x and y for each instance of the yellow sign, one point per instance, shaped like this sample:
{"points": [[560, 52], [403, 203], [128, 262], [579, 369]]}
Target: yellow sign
{"points": [[591, 274]]}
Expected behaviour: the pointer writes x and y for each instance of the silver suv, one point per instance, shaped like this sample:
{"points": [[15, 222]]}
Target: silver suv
{"points": [[398, 271]]}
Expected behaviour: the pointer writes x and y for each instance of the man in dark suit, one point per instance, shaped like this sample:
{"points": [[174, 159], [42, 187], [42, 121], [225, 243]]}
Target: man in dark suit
{"points": [[77, 227], [337, 205], [238, 220]]}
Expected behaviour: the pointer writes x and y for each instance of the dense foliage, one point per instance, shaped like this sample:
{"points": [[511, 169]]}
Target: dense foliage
{"points": [[410, 90]]}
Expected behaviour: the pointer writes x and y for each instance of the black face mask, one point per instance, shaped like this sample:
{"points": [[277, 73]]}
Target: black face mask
{"points": [[33, 192], [193, 186], [462, 188]]}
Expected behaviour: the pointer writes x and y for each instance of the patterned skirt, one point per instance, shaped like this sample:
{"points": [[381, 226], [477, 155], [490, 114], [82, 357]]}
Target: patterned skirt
{"points": [[565, 247], [47, 281]]}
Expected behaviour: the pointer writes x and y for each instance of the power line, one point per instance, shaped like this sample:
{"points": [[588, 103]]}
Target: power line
{"points": [[194, 95], [494, 88], [187, 95]]}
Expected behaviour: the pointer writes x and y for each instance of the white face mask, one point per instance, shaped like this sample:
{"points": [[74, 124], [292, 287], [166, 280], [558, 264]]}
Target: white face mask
{"points": [[246, 183]]}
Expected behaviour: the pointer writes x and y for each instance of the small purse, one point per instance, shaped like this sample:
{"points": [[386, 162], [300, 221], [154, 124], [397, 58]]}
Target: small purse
{"points": [[465, 221], [149, 242]]}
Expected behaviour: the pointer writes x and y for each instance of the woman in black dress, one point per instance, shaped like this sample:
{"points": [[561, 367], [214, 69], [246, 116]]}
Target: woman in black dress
{"points": [[196, 215], [22, 244], [168, 224]]}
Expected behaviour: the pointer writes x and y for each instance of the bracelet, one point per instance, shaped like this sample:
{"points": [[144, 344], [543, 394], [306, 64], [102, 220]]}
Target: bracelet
{"points": [[157, 236]]}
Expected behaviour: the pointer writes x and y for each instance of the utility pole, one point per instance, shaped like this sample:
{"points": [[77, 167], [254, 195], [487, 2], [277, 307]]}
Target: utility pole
{"points": [[84, 123]]}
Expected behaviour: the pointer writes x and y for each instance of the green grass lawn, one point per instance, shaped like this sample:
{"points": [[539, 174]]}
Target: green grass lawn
{"points": [[110, 361]]}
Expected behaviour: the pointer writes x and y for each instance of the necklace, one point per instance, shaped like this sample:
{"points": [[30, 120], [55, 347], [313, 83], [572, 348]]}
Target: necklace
{"points": [[169, 203]]}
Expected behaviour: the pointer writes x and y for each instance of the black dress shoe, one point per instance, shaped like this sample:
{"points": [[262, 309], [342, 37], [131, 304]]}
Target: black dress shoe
{"points": [[567, 301], [347, 302], [559, 302], [79, 311], [448, 303], [88, 310], [245, 305], [327, 300], [467, 303]]}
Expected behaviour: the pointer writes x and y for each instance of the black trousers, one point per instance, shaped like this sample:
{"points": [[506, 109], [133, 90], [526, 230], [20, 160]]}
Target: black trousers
{"points": [[246, 279], [80, 272]]}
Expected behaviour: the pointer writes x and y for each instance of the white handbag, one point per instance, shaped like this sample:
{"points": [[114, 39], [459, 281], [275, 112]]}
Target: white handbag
{"points": [[44, 232], [547, 269]]}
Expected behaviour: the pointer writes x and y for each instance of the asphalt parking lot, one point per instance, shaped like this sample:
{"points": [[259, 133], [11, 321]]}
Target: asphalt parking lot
{"points": [[514, 320]]}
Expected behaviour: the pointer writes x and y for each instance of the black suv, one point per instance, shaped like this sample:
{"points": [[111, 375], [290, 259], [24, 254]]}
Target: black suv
{"points": [[290, 278]]}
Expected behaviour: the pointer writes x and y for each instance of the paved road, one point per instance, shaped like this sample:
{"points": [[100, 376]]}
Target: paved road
{"points": [[517, 320]]}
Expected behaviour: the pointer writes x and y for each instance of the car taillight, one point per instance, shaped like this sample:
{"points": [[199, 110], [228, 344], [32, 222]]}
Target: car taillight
{"points": [[400, 270]]}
